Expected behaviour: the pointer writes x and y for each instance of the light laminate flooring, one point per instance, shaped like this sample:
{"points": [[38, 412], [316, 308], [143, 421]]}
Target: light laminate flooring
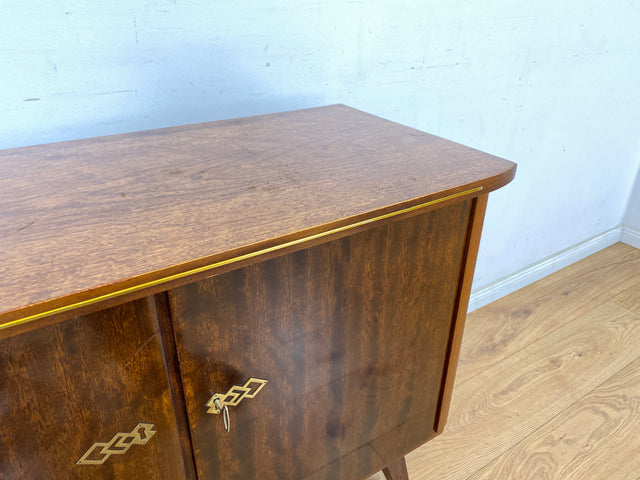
{"points": [[548, 381]]}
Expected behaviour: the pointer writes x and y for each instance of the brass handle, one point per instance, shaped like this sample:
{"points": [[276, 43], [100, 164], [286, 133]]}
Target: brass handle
{"points": [[220, 402], [99, 452]]}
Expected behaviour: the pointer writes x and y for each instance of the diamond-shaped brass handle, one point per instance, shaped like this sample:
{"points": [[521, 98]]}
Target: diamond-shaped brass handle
{"points": [[220, 402], [99, 452]]}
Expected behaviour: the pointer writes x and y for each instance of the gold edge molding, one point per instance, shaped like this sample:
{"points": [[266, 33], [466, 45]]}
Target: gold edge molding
{"points": [[246, 256]]}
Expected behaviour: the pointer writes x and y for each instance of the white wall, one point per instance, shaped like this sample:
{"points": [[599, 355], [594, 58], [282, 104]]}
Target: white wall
{"points": [[632, 217], [550, 85]]}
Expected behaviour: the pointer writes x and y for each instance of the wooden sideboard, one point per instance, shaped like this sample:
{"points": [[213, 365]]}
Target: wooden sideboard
{"points": [[274, 297]]}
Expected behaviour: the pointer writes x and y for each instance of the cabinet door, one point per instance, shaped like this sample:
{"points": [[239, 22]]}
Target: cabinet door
{"points": [[88, 398], [351, 336]]}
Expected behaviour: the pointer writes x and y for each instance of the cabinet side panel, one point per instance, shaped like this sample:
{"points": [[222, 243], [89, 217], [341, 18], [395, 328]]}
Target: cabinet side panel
{"points": [[476, 219], [93, 385], [351, 336]]}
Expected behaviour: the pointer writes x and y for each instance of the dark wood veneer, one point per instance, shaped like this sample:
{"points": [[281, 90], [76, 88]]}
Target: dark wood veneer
{"points": [[66, 386], [85, 218], [327, 251], [396, 471], [352, 336]]}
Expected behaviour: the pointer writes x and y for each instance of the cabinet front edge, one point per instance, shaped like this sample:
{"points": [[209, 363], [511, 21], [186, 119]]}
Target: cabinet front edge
{"points": [[70, 305]]}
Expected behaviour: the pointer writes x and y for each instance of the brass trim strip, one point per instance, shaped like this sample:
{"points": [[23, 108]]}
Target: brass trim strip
{"points": [[177, 276]]}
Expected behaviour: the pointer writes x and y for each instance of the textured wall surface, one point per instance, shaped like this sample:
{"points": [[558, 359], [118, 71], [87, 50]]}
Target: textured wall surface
{"points": [[632, 217], [550, 85]]}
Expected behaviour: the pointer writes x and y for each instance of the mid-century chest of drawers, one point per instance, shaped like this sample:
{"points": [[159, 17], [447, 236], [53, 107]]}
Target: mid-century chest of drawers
{"points": [[278, 297]]}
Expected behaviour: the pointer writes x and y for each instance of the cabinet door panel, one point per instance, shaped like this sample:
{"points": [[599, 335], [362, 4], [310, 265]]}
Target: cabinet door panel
{"points": [[94, 385], [351, 336]]}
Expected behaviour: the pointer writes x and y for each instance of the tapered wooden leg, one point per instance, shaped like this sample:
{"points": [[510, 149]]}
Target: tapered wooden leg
{"points": [[396, 471]]}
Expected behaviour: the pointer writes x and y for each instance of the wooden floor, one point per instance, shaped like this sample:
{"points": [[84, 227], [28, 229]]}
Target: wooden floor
{"points": [[548, 384]]}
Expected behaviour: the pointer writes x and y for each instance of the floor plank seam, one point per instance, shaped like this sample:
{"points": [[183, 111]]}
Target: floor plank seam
{"points": [[527, 345], [549, 421], [554, 382]]}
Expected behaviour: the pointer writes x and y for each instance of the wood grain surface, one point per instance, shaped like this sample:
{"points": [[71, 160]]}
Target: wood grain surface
{"points": [[85, 218], [629, 298], [589, 441], [352, 337], [474, 230], [521, 390], [554, 404], [396, 471], [65, 387], [496, 332]]}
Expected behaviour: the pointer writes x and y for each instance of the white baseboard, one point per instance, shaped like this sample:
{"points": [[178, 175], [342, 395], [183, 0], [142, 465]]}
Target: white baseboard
{"points": [[483, 296], [630, 236]]}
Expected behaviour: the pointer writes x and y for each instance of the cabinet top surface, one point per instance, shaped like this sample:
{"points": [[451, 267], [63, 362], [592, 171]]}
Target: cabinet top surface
{"points": [[105, 213]]}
